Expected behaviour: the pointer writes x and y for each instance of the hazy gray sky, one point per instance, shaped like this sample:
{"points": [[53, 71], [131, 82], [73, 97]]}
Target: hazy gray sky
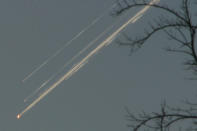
{"points": [[95, 97]]}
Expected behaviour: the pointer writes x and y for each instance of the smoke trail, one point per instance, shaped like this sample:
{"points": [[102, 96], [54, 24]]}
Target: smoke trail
{"points": [[85, 59], [70, 61], [67, 44]]}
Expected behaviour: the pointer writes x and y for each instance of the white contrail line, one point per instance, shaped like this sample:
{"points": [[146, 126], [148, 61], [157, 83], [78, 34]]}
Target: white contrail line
{"points": [[70, 61], [85, 59], [66, 44]]}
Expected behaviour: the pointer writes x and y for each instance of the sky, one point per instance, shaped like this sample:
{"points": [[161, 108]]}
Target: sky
{"points": [[94, 98]]}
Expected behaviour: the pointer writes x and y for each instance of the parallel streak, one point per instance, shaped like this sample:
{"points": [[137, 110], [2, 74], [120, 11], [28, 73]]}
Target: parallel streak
{"points": [[85, 59], [69, 62], [62, 48]]}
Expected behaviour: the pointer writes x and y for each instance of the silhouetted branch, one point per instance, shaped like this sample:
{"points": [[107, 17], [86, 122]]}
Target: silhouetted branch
{"points": [[183, 21], [144, 3], [183, 31], [161, 121]]}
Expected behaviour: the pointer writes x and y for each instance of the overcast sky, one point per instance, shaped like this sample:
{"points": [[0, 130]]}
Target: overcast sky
{"points": [[94, 98]]}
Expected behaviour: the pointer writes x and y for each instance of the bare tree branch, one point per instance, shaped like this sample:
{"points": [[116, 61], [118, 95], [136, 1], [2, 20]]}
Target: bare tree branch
{"points": [[159, 121], [183, 31], [182, 22]]}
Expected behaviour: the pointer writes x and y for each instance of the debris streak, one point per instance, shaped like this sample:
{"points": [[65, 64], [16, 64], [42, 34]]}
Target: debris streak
{"points": [[70, 61], [64, 46], [86, 58]]}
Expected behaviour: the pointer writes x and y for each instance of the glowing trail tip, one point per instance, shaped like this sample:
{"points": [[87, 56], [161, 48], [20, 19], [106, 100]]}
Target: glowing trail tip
{"points": [[18, 116]]}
